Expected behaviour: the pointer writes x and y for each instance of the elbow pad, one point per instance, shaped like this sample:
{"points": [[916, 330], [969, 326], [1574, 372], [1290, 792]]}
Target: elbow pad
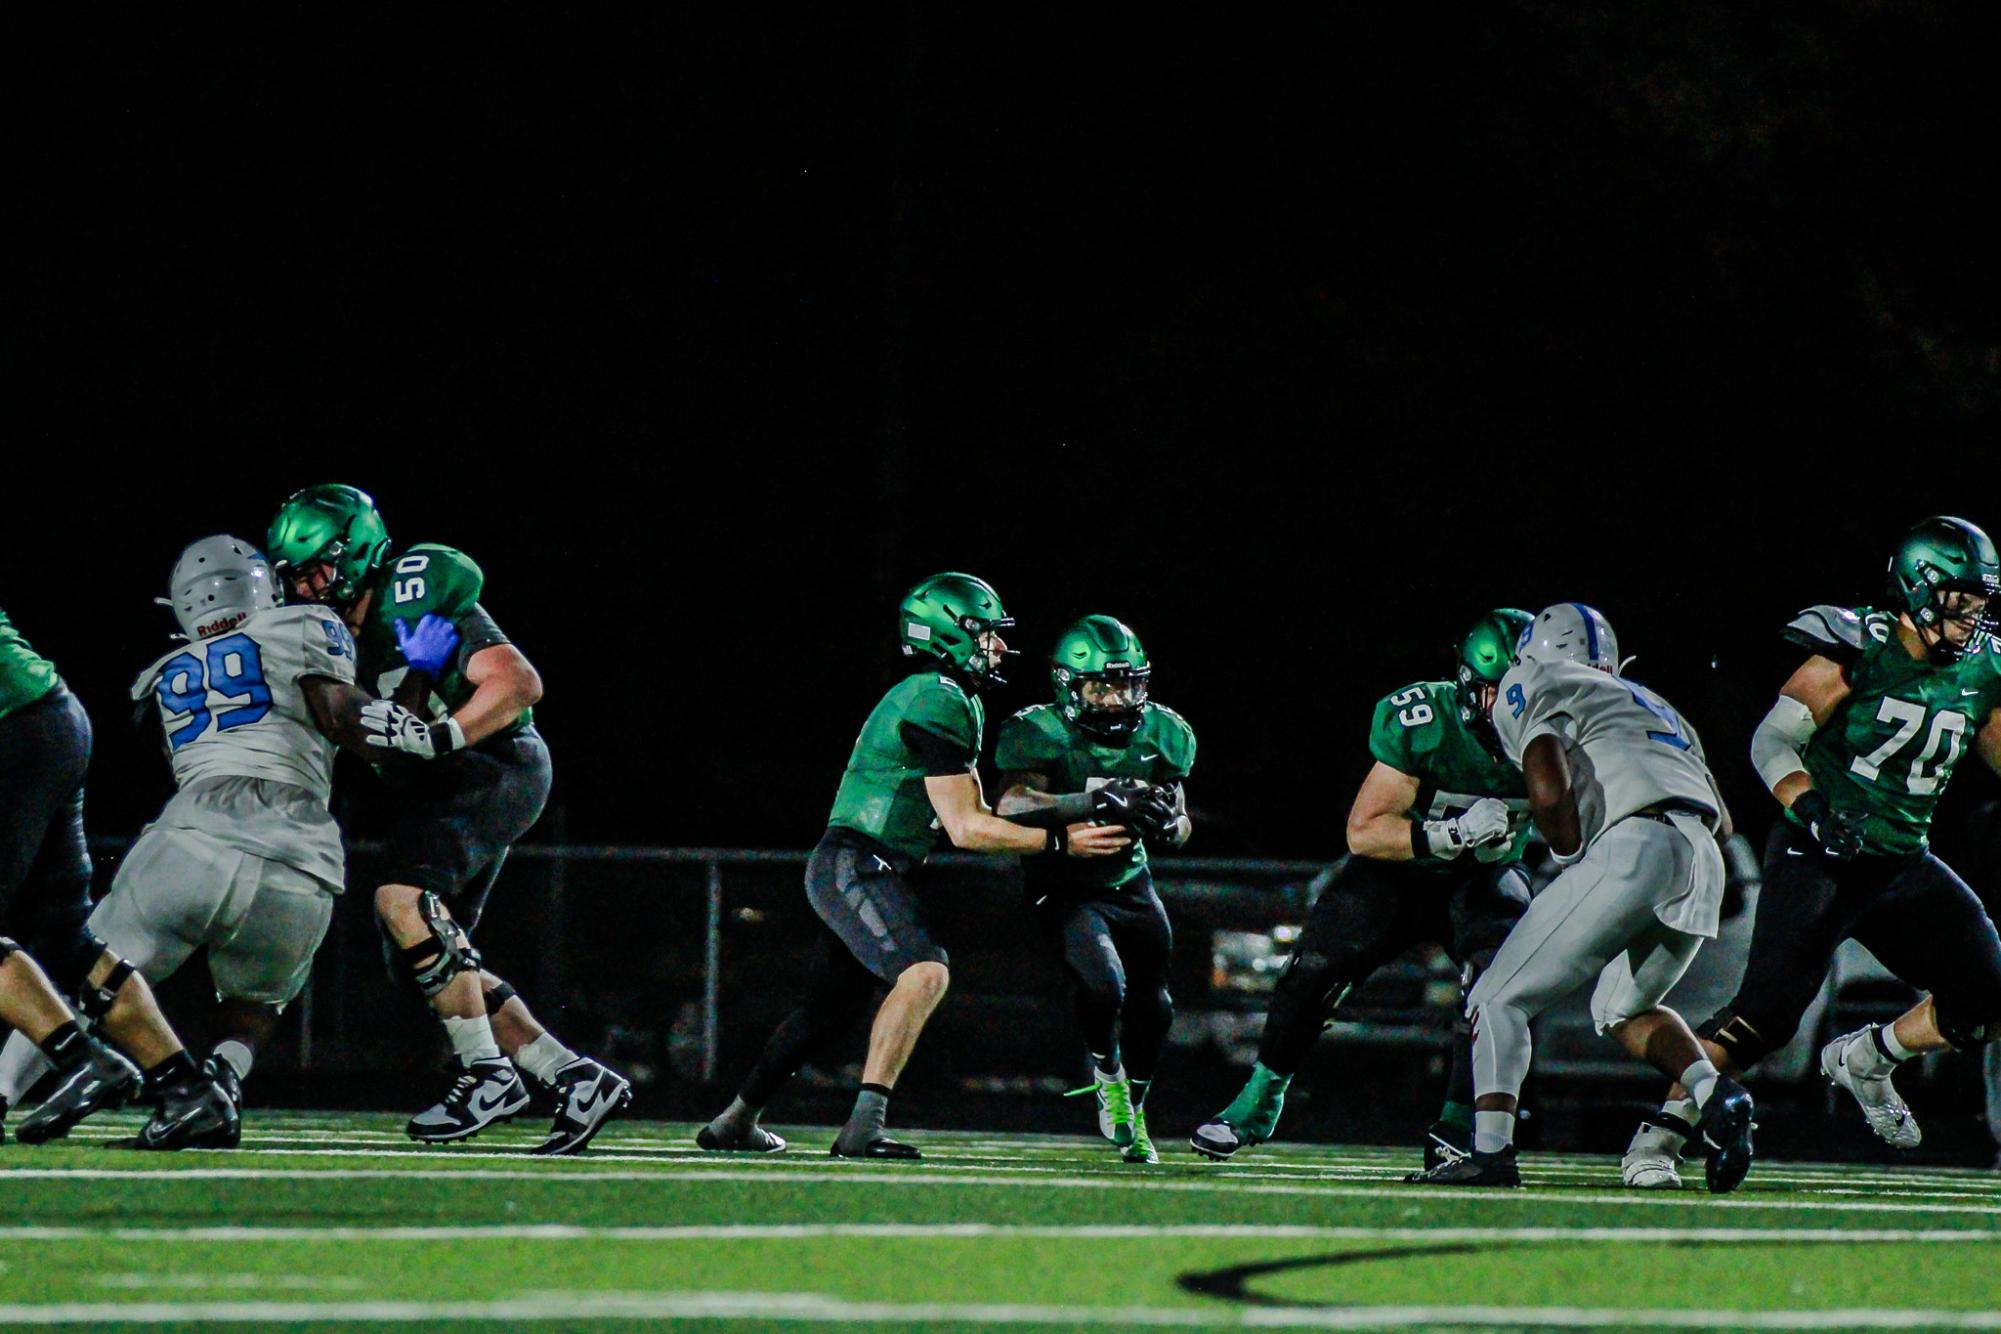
{"points": [[1780, 741]]}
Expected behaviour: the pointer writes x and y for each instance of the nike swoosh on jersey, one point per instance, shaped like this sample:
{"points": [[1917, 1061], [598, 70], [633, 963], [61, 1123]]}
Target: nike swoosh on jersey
{"points": [[1794, 852]]}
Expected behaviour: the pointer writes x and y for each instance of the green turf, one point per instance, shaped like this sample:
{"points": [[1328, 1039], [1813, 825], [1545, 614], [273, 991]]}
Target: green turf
{"points": [[338, 1222]]}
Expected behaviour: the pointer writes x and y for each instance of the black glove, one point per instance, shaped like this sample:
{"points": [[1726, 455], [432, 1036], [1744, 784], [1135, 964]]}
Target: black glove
{"points": [[1158, 816], [1839, 832], [1118, 802]]}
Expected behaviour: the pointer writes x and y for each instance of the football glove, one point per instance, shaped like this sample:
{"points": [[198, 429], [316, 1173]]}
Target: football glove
{"points": [[1484, 822], [394, 727], [1838, 831], [1118, 802], [1157, 815], [430, 646]]}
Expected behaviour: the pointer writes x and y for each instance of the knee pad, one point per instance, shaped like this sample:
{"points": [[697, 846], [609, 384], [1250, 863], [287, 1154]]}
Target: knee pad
{"points": [[497, 997], [69, 967], [96, 1000], [1960, 1031], [1745, 1044], [430, 965]]}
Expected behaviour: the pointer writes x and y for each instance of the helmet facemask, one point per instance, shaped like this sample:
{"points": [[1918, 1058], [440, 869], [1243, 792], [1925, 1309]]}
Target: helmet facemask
{"points": [[1967, 603], [986, 652], [1107, 705]]}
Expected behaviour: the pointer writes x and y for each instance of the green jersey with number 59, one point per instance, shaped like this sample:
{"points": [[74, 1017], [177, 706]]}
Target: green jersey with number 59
{"points": [[1417, 731], [1890, 746], [427, 578]]}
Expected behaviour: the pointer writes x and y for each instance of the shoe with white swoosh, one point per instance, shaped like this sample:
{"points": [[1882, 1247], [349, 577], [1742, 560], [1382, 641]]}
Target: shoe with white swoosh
{"points": [[588, 1094], [485, 1093], [1886, 1113]]}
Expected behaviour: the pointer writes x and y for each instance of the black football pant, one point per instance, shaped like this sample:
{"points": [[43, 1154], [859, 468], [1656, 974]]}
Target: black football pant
{"points": [[870, 932], [1917, 917], [1367, 913], [44, 860], [1116, 948]]}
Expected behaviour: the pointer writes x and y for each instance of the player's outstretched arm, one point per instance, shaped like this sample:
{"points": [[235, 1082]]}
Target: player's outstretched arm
{"points": [[336, 707], [962, 810], [1552, 803]]}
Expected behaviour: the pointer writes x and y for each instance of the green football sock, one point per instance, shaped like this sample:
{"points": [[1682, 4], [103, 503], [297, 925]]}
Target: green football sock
{"points": [[1256, 1109]]}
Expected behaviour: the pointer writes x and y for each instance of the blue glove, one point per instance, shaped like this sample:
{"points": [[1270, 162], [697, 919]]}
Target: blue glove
{"points": [[430, 646]]}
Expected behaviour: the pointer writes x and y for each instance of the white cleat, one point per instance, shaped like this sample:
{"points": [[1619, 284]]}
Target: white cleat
{"points": [[1653, 1159], [1886, 1113]]}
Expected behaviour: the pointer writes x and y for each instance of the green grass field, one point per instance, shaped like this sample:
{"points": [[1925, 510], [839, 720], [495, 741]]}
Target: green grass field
{"points": [[339, 1222]]}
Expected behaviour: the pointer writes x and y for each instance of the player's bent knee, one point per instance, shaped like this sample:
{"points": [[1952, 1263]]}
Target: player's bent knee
{"points": [[928, 979], [432, 964], [1744, 1043]]}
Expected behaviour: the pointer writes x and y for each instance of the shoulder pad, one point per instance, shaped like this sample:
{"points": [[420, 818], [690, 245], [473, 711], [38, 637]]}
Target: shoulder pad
{"points": [[1843, 630]]}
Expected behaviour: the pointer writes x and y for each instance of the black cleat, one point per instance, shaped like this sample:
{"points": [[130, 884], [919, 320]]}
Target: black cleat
{"points": [[485, 1093], [1474, 1169], [1445, 1144], [1726, 1128], [195, 1113], [754, 1140], [588, 1094], [104, 1082], [224, 1074], [883, 1147]]}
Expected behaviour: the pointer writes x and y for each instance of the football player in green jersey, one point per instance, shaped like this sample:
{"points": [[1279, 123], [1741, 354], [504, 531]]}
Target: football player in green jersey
{"points": [[1435, 840], [911, 775], [1103, 915], [45, 897], [462, 706], [1858, 749]]}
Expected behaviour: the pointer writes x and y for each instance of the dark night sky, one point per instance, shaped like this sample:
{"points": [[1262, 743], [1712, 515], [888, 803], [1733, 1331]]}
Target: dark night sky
{"points": [[1295, 346]]}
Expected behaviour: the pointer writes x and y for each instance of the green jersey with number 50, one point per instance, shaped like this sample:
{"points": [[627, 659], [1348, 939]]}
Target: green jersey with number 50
{"points": [[1889, 749], [427, 578], [1417, 731]]}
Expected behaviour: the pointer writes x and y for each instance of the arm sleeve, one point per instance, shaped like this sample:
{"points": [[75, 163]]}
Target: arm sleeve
{"points": [[326, 648], [1390, 741], [1021, 747], [477, 630], [939, 756], [1778, 747], [941, 731]]}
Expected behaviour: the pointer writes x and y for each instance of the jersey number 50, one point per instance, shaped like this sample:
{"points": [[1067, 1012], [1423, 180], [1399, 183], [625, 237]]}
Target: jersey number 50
{"points": [[234, 669]]}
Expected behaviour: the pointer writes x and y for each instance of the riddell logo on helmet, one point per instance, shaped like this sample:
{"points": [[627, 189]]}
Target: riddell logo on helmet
{"points": [[226, 623]]}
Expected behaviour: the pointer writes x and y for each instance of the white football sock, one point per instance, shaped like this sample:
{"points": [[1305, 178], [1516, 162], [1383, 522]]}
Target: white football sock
{"points": [[472, 1039], [1493, 1131], [236, 1056], [1685, 1108], [1700, 1081], [543, 1057]]}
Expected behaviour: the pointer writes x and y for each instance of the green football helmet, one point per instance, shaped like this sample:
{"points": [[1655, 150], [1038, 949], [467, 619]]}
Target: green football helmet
{"points": [[1485, 655], [1103, 650], [1939, 556], [332, 525], [950, 617]]}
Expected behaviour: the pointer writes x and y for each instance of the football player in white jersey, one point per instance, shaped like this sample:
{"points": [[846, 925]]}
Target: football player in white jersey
{"points": [[1618, 786], [246, 858]]}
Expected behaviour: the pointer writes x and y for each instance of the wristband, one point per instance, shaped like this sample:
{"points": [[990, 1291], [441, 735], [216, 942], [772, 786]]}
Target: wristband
{"points": [[447, 737], [1058, 839], [1442, 838]]}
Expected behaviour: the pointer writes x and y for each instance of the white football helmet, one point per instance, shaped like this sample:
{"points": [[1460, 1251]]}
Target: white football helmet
{"points": [[1570, 632], [217, 583]]}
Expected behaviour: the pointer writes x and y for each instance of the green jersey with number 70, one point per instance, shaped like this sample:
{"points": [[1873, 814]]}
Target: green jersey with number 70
{"points": [[1890, 746], [1418, 731], [434, 579]]}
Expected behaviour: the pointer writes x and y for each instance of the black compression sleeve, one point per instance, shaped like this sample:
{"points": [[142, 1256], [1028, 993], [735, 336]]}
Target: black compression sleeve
{"points": [[940, 756]]}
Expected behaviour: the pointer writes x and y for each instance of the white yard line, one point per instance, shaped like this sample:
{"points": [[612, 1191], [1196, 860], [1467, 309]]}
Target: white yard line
{"points": [[857, 1174], [812, 1307], [987, 1231]]}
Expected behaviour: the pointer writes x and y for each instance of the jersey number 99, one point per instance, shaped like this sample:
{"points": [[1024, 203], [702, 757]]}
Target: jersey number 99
{"points": [[232, 667]]}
